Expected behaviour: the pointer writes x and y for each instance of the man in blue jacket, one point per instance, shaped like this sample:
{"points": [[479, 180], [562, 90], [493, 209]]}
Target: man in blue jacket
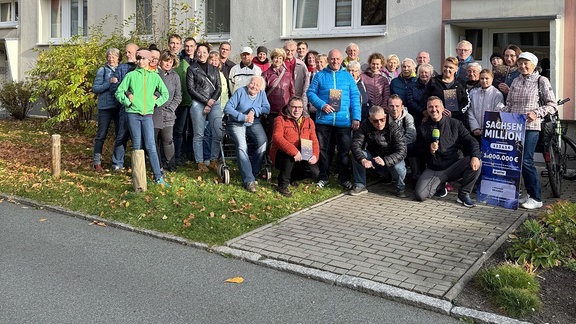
{"points": [[335, 95]]}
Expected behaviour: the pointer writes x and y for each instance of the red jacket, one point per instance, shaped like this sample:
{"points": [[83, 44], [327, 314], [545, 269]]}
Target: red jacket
{"points": [[286, 136], [279, 96]]}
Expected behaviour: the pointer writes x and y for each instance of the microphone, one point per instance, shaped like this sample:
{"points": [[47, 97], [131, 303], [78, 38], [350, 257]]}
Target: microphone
{"points": [[436, 134]]}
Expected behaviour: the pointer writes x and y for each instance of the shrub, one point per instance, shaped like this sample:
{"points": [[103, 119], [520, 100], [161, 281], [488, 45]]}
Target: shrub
{"points": [[15, 97], [535, 247], [511, 288], [560, 220]]}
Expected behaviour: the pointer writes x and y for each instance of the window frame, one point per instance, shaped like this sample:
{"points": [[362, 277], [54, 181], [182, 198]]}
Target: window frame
{"points": [[14, 14], [327, 21], [66, 20], [218, 36]]}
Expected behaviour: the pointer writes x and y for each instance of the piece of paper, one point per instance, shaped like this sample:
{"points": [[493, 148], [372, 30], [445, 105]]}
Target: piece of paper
{"points": [[306, 149], [335, 99]]}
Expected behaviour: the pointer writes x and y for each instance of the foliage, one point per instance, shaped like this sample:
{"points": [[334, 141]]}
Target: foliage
{"points": [[535, 247], [64, 74], [511, 288], [197, 207], [560, 220], [15, 97]]}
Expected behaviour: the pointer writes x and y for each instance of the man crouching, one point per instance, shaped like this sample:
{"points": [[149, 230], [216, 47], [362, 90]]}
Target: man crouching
{"points": [[294, 150]]}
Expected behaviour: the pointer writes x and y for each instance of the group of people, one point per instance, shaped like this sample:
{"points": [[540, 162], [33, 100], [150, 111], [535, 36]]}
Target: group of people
{"points": [[299, 109]]}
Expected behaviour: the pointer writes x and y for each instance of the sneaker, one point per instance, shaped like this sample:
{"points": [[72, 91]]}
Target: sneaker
{"points": [[347, 185], [449, 186], [251, 186], [401, 194], [162, 182], [523, 199], [98, 168], [531, 204], [464, 199], [441, 192], [356, 191], [322, 183], [116, 168], [284, 191]]}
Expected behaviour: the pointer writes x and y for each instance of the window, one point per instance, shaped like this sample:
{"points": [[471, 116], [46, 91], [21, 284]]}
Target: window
{"points": [[8, 11], [144, 17], [338, 17], [217, 17], [68, 18]]}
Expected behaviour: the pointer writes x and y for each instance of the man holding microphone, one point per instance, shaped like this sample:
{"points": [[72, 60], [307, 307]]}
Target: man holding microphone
{"points": [[451, 154]]}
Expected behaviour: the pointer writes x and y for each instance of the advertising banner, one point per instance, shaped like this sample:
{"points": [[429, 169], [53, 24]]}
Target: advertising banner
{"points": [[502, 148]]}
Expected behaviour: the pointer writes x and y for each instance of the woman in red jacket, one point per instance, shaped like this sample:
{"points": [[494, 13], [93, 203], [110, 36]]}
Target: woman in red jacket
{"points": [[295, 148]]}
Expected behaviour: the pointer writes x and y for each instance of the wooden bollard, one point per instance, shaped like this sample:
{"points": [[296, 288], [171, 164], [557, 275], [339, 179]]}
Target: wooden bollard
{"points": [[139, 171], [56, 156]]}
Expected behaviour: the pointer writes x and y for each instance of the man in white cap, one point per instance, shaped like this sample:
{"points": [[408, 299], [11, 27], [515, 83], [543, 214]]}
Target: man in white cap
{"points": [[242, 73]]}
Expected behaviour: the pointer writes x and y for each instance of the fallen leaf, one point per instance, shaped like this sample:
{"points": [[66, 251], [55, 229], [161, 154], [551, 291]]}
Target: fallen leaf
{"points": [[99, 223], [43, 219], [164, 217], [202, 209], [211, 214], [127, 204], [223, 216], [235, 280], [253, 217]]}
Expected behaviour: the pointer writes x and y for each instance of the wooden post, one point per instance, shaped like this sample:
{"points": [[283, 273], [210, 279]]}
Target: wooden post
{"points": [[139, 171], [56, 156]]}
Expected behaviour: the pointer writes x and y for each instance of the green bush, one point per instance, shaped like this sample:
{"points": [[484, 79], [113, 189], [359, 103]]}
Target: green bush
{"points": [[560, 220], [518, 302], [511, 288], [535, 247], [15, 97]]}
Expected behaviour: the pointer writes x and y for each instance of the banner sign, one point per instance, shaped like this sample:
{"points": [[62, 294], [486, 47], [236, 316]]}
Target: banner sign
{"points": [[502, 148]]}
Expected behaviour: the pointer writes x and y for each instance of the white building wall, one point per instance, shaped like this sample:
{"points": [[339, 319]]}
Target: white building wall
{"points": [[262, 20]]}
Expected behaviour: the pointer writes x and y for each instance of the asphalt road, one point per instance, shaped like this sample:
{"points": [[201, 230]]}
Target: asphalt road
{"points": [[59, 269]]}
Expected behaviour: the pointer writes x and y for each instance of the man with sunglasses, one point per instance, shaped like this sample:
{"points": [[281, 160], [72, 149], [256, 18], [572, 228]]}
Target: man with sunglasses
{"points": [[378, 145]]}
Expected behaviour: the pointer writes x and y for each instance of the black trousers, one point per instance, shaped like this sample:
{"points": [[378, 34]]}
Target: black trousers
{"points": [[291, 170]]}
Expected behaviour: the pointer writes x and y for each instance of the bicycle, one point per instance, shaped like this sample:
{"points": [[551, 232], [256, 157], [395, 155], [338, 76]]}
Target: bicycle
{"points": [[559, 152]]}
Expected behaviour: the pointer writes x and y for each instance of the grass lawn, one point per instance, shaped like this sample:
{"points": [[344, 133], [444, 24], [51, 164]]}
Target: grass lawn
{"points": [[197, 206]]}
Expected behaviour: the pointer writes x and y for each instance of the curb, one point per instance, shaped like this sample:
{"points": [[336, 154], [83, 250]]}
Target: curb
{"points": [[363, 285]]}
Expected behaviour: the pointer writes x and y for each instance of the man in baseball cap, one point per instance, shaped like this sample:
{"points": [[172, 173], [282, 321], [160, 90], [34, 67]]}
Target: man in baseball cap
{"points": [[242, 73]]}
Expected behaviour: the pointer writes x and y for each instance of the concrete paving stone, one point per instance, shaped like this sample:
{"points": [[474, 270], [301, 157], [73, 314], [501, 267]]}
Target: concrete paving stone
{"points": [[353, 251], [323, 246], [331, 252], [397, 261], [342, 265], [378, 263], [355, 257], [316, 253], [293, 244], [401, 247], [386, 276], [407, 285], [339, 271], [431, 274], [449, 258], [347, 245], [413, 260], [364, 269], [321, 240], [355, 273], [401, 253], [393, 282], [386, 255], [326, 267], [403, 268]]}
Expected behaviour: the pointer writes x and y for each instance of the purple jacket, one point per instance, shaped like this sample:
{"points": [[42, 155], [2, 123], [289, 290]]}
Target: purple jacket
{"points": [[377, 86]]}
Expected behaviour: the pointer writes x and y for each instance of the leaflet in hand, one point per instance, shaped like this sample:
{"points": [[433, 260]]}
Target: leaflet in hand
{"points": [[306, 149], [335, 99]]}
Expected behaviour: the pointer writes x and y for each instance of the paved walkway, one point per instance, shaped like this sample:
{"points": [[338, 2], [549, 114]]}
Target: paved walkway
{"points": [[431, 247]]}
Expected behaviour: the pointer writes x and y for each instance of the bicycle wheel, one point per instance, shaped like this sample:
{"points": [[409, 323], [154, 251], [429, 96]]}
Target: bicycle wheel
{"points": [[568, 158], [554, 167]]}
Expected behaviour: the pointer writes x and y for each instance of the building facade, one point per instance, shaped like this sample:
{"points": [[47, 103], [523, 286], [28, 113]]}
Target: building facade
{"points": [[402, 27]]}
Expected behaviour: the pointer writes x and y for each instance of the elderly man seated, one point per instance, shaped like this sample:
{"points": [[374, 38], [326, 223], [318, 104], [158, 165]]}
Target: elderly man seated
{"points": [[451, 154], [378, 145]]}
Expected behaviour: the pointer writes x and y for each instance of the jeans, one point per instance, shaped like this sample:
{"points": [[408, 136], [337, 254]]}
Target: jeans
{"points": [[122, 137], [199, 119], [165, 146], [398, 172], [105, 117], [142, 130], [180, 139], [529, 172], [431, 179], [343, 139], [250, 148]]}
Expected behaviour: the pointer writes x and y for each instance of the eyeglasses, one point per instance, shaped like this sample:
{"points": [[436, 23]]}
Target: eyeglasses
{"points": [[464, 49], [377, 121], [296, 107]]}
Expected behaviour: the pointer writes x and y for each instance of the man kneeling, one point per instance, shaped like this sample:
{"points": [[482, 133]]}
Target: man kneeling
{"points": [[294, 149], [451, 154], [379, 145]]}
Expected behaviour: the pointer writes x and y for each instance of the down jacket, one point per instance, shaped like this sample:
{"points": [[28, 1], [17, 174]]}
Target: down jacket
{"points": [[377, 86], [102, 87], [203, 86], [389, 143], [319, 95], [287, 134]]}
